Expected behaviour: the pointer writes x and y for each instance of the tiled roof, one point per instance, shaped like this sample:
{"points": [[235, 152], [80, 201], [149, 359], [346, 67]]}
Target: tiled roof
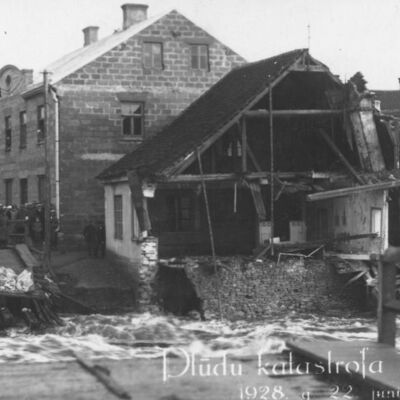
{"points": [[204, 117], [390, 101]]}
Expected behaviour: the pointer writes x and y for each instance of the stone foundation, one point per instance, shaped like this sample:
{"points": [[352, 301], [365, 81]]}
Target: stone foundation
{"points": [[256, 289]]}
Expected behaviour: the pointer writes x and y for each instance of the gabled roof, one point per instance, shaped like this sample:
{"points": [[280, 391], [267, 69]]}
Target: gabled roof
{"points": [[77, 59], [390, 101], [203, 118]]}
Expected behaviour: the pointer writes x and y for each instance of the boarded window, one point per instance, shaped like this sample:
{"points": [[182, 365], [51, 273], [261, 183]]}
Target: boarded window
{"points": [[40, 124], [132, 119], [23, 191], [8, 191], [118, 217], [7, 123], [153, 55], [199, 56], [22, 129], [41, 188], [376, 221]]}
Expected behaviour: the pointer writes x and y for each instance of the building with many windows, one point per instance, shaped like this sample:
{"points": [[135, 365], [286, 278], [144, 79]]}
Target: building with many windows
{"points": [[104, 99]]}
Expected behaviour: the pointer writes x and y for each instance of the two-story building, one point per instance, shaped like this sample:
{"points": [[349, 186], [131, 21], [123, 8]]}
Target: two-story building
{"points": [[104, 99]]}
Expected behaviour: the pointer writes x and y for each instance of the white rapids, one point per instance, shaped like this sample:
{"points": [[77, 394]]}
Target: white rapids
{"points": [[112, 336]]}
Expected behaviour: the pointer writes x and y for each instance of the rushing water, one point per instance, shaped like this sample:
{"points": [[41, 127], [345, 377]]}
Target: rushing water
{"points": [[98, 336]]}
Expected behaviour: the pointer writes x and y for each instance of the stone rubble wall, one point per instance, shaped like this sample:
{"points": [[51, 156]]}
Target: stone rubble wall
{"points": [[256, 289]]}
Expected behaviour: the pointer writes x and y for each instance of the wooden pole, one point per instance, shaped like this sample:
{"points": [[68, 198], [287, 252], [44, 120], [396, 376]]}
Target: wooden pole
{"points": [[271, 144], [203, 184], [387, 294], [47, 204]]}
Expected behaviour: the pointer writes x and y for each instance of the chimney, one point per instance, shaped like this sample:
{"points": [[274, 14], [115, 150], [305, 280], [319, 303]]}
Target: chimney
{"points": [[90, 35], [133, 14]]}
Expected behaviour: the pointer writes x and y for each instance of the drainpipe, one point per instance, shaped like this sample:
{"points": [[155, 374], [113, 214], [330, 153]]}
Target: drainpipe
{"points": [[57, 151]]}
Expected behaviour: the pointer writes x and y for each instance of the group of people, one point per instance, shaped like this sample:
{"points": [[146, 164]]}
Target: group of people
{"points": [[28, 220], [95, 238]]}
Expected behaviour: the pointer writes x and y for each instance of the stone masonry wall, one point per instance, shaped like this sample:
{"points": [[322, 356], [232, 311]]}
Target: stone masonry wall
{"points": [[90, 110], [257, 289]]}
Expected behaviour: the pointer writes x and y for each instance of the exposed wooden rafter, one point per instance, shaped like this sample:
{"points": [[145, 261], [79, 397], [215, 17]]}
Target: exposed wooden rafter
{"points": [[291, 113]]}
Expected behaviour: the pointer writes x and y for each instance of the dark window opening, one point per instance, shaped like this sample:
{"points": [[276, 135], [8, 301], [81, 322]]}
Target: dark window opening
{"points": [[8, 133], [199, 56], [132, 119], [22, 129], [40, 124], [23, 190], [180, 213], [8, 190], [153, 55], [118, 217]]}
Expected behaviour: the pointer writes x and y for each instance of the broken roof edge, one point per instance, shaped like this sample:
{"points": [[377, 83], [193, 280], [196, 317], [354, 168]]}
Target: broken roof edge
{"points": [[187, 156]]}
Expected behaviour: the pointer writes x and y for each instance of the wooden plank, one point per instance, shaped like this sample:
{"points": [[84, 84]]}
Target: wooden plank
{"points": [[342, 158], [362, 257], [27, 257], [346, 356], [291, 113], [258, 201], [329, 194]]}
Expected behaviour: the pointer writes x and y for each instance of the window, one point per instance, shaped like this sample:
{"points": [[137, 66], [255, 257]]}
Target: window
{"points": [[7, 122], [118, 227], [376, 221], [41, 188], [199, 56], [8, 190], [153, 55], [40, 124], [132, 119], [181, 213], [23, 190], [22, 129]]}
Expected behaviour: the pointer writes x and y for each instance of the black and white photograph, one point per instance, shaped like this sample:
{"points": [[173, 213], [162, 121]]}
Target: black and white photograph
{"points": [[200, 200]]}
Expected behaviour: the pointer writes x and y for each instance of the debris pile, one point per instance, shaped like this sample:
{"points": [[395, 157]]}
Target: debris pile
{"points": [[12, 282]]}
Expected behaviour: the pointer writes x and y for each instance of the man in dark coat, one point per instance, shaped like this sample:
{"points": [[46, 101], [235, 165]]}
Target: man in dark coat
{"points": [[90, 235]]}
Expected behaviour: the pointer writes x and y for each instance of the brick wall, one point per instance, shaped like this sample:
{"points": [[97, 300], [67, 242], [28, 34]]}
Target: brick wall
{"points": [[90, 111], [22, 163]]}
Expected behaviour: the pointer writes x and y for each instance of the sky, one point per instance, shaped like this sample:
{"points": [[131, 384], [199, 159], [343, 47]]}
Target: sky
{"points": [[347, 35]]}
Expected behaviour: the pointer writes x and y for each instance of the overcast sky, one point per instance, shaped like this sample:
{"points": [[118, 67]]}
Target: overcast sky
{"points": [[347, 35]]}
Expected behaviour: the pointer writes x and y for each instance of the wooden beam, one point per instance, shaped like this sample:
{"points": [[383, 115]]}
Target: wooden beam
{"points": [[244, 145], [253, 158], [187, 178], [181, 165], [393, 305], [308, 68], [290, 113], [387, 294], [342, 158], [329, 194]]}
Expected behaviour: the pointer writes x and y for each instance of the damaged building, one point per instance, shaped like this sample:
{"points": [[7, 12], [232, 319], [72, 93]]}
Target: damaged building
{"points": [[282, 149]]}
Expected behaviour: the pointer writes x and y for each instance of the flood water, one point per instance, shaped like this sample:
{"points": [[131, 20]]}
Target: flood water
{"points": [[110, 336]]}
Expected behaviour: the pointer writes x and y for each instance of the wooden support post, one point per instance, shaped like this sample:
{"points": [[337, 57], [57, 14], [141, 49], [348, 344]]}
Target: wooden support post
{"points": [[342, 158], [210, 229], [271, 138], [387, 294], [244, 145]]}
